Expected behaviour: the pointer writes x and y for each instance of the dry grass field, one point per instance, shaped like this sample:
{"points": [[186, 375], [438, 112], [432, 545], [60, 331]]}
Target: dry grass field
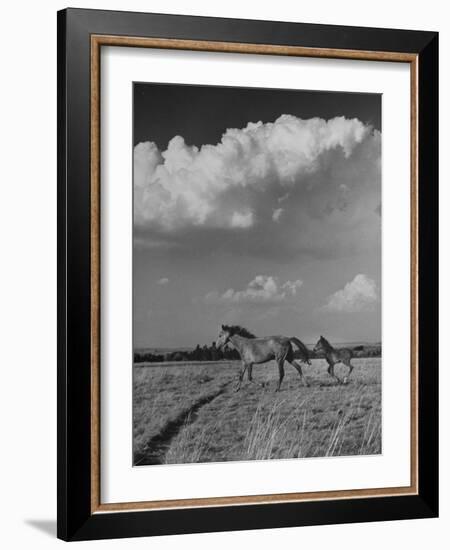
{"points": [[188, 413]]}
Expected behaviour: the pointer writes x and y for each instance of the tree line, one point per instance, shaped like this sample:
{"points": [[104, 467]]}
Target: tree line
{"points": [[199, 353], [213, 353]]}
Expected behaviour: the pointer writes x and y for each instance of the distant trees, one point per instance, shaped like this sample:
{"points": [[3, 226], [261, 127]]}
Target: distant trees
{"points": [[213, 353], [147, 357], [368, 351], [199, 353]]}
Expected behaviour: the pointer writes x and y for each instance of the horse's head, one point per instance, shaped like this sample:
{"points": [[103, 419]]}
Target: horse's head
{"points": [[224, 336], [319, 347]]}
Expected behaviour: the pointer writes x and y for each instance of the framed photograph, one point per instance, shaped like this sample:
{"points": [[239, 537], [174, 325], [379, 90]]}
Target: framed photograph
{"points": [[247, 253]]}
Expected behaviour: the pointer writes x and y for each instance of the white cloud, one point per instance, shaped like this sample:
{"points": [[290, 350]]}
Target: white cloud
{"points": [[360, 294], [226, 185], [163, 281], [242, 219], [292, 286], [262, 289], [276, 216]]}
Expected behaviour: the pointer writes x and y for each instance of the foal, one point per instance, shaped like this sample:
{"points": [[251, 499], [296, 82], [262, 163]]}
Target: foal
{"points": [[333, 356]]}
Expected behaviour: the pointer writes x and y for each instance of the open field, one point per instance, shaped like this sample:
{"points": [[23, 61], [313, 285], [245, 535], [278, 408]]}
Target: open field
{"points": [[187, 413]]}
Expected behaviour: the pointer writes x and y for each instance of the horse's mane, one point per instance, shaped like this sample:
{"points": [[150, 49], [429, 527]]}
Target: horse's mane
{"points": [[325, 341], [236, 329]]}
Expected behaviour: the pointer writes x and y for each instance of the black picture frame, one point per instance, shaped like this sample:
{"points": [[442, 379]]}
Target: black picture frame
{"points": [[76, 520]]}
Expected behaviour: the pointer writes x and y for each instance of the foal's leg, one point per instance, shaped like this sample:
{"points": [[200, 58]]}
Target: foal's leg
{"points": [[281, 372], [350, 368], [332, 374], [299, 369], [241, 375]]}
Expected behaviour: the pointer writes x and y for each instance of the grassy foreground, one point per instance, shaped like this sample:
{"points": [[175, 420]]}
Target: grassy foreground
{"points": [[191, 413]]}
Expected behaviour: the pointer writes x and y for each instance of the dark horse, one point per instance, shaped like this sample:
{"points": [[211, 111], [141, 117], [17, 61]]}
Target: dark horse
{"points": [[333, 356], [260, 350]]}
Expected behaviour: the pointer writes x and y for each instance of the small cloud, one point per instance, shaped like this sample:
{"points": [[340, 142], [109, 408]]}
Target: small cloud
{"points": [[163, 281], [276, 216], [360, 294], [242, 219], [262, 289], [292, 286]]}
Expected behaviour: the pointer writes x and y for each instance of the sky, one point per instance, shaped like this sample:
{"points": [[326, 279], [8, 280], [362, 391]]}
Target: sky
{"points": [[256, 207]]}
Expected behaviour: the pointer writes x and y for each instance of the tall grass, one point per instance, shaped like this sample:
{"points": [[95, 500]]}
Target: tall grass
{"points": [[371, 441], [256, 424], [268, 431], [272, 435], [190, 446]]}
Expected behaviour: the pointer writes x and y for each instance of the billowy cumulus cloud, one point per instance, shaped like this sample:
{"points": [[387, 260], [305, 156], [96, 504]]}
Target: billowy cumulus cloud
{"points": [[263, 289], [360, 294], [318, 180], [276, 216]]}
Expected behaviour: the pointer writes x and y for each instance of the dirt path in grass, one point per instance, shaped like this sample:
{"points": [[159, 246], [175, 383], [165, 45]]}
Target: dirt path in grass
{"points": [[156, 448]]}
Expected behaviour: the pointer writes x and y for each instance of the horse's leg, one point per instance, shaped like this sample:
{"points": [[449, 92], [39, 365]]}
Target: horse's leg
{"points": [[350, 368], [241, 375], [250, 372], [281, 373], [299, 369], [332, 374]]}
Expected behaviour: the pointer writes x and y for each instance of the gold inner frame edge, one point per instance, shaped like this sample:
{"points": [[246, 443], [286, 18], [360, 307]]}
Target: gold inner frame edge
{"points": [[97, 41]]}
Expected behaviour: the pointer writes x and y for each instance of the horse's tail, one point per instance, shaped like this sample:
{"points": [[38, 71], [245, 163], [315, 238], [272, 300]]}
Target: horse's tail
{"points": [[302, 348]]}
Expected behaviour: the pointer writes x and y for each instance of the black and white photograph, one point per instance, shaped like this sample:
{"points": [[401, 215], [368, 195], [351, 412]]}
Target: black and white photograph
{"points": [[256, 274]]}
